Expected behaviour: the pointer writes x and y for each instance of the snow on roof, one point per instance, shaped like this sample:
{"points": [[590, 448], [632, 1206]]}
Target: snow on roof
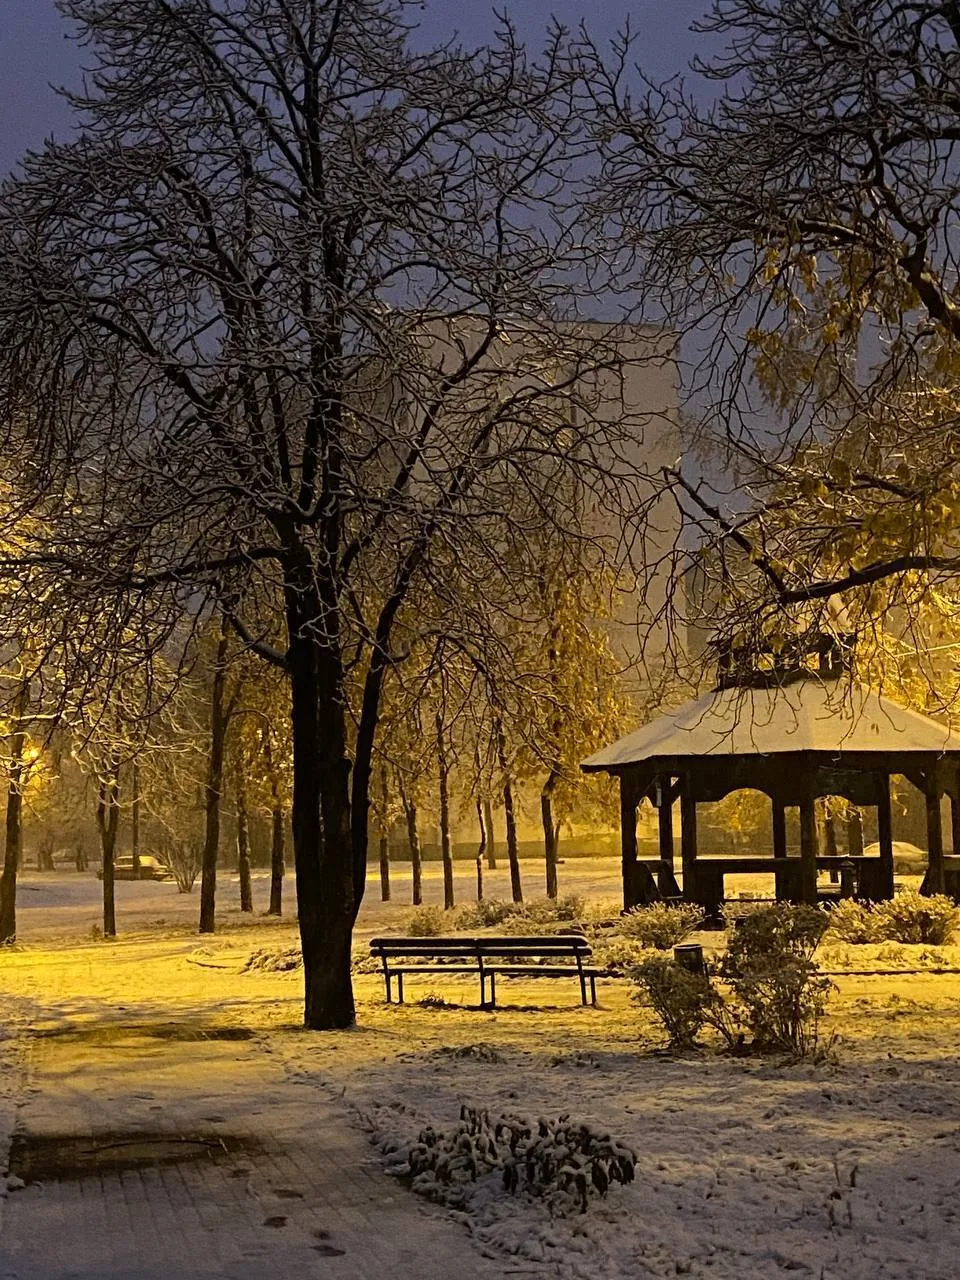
{"points": [[810, 715]]}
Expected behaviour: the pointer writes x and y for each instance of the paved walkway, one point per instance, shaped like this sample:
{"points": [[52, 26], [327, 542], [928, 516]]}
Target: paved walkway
{"points": [[152, 1151]]}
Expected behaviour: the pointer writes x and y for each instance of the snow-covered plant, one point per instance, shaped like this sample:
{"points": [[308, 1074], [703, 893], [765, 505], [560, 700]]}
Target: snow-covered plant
{"points": [[619, 955], [662, 925], [562, 1161], [911, 917], [854, 922], [426, 922], [563, 910], [266, 960], [679, 998], [774, 980], [487, 913]]}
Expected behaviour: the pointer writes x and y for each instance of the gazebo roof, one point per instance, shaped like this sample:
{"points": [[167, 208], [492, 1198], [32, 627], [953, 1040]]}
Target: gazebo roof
{"points": [[831, 717]]}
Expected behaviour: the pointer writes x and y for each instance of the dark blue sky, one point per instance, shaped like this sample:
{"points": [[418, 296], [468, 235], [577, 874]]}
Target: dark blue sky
{"points": [[34, 52]]}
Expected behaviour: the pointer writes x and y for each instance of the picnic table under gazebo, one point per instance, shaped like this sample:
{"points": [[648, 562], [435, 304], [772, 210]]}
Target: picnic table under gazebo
{"points": [[796, 736]]}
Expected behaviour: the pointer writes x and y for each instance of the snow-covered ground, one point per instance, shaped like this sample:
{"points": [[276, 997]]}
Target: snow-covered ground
{"points": [[747, 1169]]}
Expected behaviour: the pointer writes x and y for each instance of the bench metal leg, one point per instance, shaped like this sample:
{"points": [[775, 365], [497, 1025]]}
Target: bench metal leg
{"points": [[386, 980], [493, 990], [583, 984], [593, 991], [400, 988]]}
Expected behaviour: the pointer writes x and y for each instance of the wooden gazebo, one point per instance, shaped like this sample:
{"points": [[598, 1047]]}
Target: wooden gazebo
{"points": [[795, 735]]}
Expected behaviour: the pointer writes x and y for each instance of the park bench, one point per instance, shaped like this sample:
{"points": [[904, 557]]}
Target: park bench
{"points": [[558, 955]]}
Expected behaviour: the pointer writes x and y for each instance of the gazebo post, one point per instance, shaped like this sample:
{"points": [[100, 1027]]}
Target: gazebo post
{"points": [[629, 799], [779, 822], [933, 881], [885, 834], [688, 836], [665, 817], [854, 833], [808, 849]]}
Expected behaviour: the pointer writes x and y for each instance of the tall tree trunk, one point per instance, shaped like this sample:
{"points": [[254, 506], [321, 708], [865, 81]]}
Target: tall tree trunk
{"points": [[276, 861], [413, 840], [550, 832], [243, 844], [322, 836], [278, 828], [481, 849], [513, 854], [108, 820], [443, 770], [491, 835], [384, 839], [135, 820], [13, 839], [213, 791]]}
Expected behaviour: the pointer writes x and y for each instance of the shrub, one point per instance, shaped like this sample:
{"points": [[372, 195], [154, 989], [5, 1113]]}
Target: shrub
{"points": [[910, 917], [679, 998], [486, 914], [560, 1161], [660, 926], [554, 910], [426, 922], [854, 922], [775, 982], [186, 858], [619, 955]]}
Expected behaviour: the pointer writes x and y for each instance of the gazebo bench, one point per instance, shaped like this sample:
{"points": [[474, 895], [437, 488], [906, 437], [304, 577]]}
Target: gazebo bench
{"points": [[541, 956]]}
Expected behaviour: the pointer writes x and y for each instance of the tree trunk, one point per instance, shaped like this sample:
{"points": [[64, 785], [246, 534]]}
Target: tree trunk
{"points": [[481, 849], [445, 850], [278, 829], [135, 821], [384, 839], [276, 862], [108, 820], [413, 839], [214, 790], [13, 841], [322, 836], [550, 833], [491, 835], [513, 855], [243, 845]]}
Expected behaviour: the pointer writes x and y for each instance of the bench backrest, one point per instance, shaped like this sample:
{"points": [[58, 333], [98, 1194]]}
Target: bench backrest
{"points": [[551, 944], [424, 946]]}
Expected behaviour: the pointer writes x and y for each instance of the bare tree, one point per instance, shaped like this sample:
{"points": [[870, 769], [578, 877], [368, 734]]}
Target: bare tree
{"points": [[287, 315], [794, 205]]}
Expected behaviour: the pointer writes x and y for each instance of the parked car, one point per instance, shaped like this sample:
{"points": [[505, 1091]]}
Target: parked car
{"points": [[908, 860], [151, 868]]}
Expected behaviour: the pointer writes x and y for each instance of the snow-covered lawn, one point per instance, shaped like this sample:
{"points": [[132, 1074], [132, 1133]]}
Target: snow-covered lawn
{"points": [[747, 1169]]}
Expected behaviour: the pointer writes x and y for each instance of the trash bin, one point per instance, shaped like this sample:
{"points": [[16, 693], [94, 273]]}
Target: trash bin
{"points": [[689, 956]]}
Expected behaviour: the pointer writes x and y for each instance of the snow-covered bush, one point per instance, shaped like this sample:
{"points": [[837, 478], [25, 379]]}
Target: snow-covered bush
{"points": [[777, 992], [426, 922], [854, 922], [679, 998], [662, 925], [561, 1161], [266, 960], [619, 955], [910, 917], [537, 915], [487, 914]]}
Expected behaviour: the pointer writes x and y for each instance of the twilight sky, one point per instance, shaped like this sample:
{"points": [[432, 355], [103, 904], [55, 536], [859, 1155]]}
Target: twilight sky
{"points": [[34, 52]]}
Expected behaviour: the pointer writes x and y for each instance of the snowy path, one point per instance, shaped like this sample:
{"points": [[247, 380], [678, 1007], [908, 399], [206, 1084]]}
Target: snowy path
{"points": [[163, 1141]]}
